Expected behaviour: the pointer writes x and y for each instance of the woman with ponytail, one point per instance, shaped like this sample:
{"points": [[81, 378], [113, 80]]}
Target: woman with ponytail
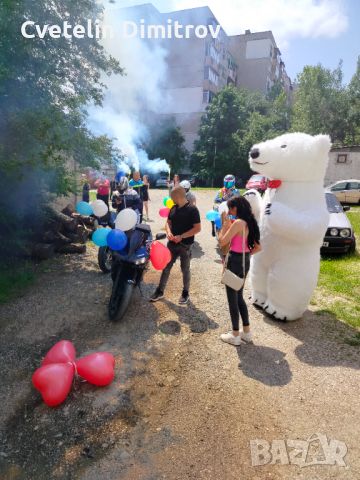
{"points": [[243, 231]]}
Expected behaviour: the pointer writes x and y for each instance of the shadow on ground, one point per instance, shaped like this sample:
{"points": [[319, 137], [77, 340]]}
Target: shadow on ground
{"points": [[264, 364], [326, 341]]}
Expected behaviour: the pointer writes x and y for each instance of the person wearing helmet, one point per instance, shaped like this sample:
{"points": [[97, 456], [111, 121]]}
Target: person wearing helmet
{"points": [[190, 197], [228, 191], [126, 197]]}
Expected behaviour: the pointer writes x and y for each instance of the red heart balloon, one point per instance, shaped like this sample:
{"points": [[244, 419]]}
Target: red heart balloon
{"points": [[160, 255], [54, 382], [61, 352], [97, 368]]}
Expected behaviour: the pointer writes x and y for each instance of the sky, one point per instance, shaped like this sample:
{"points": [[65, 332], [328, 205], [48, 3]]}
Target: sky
{"points": [[307, 32]]}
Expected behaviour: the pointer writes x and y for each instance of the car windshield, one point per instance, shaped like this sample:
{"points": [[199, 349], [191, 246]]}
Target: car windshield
{"points": [[333, 204]]}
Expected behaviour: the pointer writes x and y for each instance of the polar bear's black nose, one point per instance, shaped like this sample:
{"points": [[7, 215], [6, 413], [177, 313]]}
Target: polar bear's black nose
{"points": [[254, 153]]}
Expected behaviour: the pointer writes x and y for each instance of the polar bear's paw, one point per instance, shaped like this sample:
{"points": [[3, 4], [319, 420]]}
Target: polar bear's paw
{"points": [[275, 312], [258, 299]]}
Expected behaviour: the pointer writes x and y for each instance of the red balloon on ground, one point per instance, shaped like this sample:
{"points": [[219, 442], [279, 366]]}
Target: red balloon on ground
{"points": [[164, 212], [97, 368], [61, 352], [160, 255], [54, 382]]}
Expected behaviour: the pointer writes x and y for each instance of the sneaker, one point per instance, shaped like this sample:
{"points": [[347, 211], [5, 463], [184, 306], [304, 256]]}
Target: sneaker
{"points": [[231, 338], [184, 299], [246, 337], [158, 295]]}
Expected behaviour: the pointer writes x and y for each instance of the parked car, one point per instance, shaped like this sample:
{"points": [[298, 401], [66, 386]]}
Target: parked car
{"points": [[258, 182], [346, 191], [161, 182], [339, 236]]}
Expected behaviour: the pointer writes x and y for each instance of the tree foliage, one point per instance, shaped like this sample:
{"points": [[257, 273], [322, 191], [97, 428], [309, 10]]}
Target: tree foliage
{"points": [[167, 142], [233, 122], [45, 85], [321, 103]]}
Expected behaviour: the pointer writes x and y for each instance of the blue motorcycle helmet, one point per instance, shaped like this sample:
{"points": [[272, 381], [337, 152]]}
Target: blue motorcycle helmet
{"points": [[229, 181]]}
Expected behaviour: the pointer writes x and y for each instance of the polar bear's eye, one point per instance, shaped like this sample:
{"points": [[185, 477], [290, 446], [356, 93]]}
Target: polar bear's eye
{"points": [[283, 146]]}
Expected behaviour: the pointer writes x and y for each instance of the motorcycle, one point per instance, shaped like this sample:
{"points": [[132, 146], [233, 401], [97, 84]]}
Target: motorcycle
{"points": [[104, 253], [128, 268]]}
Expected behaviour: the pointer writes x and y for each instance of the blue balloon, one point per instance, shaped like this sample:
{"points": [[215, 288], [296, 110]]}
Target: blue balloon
{"points": [[100, 237], [84, 208], [117, 240], [218, 222], [212, 215]]}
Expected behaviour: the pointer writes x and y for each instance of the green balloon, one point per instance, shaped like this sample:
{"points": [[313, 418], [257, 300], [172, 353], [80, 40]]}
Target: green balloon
{"points": [[165, 200]]}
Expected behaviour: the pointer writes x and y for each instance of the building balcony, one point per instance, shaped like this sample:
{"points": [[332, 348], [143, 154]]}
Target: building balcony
{"points": [[210, 86], [211, 62]]}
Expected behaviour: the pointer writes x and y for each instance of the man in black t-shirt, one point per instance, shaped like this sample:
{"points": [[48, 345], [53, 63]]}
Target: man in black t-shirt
{"points": [[181, 227]]}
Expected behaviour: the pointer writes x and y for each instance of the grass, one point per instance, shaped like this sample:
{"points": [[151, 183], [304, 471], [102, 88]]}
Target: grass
{"points": [[92, 195], [338, 289], [14, 280]]}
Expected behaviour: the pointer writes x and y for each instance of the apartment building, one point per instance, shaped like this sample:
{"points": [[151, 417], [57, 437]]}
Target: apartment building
{"points": [[259, 62], [198, 68]]}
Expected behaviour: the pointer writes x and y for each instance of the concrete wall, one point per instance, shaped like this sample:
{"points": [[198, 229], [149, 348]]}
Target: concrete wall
{"points": [[343, 171]]}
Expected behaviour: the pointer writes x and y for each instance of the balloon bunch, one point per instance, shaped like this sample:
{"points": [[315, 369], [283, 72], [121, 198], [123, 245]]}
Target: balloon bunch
{"points": [[214, 216], [56, 374], [116, 239], [97, 208], [165, 210]]}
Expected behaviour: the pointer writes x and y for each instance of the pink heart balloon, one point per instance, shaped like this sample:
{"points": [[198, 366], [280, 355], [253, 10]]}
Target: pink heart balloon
{"points": [[61, 352], [97, 368], [54, 382]]}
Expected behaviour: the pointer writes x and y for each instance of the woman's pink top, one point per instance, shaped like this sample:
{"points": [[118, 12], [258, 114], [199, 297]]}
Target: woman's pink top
{"points": [[236, 244]]}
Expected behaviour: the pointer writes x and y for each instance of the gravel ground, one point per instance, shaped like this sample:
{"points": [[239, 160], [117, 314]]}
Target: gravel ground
{"points": [[183, 404]]}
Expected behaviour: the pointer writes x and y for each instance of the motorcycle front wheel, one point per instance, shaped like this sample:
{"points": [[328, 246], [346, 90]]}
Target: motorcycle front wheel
{"points": [[105, 259], [120, 297]]}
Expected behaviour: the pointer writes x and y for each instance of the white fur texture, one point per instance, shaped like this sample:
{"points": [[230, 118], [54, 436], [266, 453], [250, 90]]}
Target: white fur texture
{"points": [[293, 223], [255, 200]]}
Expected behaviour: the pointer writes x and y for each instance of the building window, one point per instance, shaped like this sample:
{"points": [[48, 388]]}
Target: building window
{"points": [[341, 158], [207, 96], [211, 76], [212, 52]]}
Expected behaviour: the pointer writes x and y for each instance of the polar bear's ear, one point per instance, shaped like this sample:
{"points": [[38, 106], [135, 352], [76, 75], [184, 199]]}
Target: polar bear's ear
{"points": [[323, 143]]}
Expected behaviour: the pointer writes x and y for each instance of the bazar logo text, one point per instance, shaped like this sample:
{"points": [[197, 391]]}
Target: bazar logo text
{"points": [[125, 29], [316, 450]]}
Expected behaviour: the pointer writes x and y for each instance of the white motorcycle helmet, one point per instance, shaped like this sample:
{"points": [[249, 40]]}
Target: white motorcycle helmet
{"points": [[123, 184], [186, 185]]}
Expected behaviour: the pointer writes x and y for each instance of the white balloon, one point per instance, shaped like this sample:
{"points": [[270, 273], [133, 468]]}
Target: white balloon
{"points": [[126, 219], [223, 208], [99, 207]]}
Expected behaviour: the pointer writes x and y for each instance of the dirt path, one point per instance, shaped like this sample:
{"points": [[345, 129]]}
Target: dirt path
{"points": [[183, 405]]}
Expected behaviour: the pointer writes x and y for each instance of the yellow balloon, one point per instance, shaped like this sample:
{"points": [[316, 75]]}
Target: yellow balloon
{"points": [[170, 203]]}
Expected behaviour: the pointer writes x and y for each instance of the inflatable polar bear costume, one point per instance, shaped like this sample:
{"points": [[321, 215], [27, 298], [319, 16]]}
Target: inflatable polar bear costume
{"points": [[293, 222]]}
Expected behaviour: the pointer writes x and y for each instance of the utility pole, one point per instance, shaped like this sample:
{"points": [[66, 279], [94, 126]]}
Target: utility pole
{"points": [[214, 160]]}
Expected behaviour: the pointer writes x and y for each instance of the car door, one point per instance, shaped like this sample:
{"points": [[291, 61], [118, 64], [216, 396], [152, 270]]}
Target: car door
{"points": [[340, 191], [352, 194]]}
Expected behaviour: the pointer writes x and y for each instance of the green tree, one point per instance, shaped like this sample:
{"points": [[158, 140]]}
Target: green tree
{"points": [[353, 135], [321, 103], [234, 121], [167, 142], [45, 85]]}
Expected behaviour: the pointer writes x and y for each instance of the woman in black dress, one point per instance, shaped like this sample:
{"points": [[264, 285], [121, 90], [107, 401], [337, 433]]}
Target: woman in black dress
{"points": [[145, 195]]}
